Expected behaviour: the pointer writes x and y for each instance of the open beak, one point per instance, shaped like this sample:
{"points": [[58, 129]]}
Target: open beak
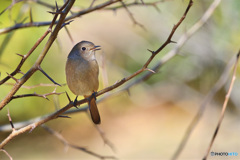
{"points": [[96, 48]]}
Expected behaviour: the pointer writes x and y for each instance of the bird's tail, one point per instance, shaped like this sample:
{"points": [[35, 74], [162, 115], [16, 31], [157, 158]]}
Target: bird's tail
{"points": [[94, 111]]}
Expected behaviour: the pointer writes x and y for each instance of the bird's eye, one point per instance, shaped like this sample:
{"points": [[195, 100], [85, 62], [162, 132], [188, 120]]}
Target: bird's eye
{"points": [[83, 48]]}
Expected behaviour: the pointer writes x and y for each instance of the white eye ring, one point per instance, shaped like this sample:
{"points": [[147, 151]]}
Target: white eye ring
{"points": [[83, 48]]}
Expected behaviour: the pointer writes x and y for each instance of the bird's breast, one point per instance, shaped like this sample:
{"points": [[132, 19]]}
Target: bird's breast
{"points": [[82, 76]]}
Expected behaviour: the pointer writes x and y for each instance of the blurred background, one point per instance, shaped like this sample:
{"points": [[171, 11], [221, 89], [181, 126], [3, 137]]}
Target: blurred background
{"points": [[149, 121]]}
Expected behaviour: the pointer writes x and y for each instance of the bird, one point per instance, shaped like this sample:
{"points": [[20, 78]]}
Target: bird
{"points": [[82, 72]]}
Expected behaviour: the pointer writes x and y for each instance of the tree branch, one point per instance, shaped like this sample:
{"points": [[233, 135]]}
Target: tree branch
{"points": [[74, 15], [182, 41], [78, 14], [224, 106], [9, 156], [154, 53], [67, 144], [49, 43], [38, 95]]}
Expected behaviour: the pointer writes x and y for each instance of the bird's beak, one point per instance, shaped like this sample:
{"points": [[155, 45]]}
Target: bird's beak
{"points": [[95, 48]]}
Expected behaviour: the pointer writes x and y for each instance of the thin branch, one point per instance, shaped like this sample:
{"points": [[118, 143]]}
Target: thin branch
{"points": [[10, 120], [105, 139], [78, 14], [24, 57], [38, 62], [38, 24], [154, 53], [131, 16], [67, 144], [136, 3], [9, 156], [38, 95], [224, 106], [35, 86], [30, 15], [10, 6], [69, 34], [207, 99], [93, 1], [46, 4], [45, 74], [181, 42], [15, 79]]}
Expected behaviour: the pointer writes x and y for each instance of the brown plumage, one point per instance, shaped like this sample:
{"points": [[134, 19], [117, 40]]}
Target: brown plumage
{"points": [[82, 74]]}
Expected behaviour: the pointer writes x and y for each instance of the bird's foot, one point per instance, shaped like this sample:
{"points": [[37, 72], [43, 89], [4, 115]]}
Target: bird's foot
{"points": [[94, 95]]}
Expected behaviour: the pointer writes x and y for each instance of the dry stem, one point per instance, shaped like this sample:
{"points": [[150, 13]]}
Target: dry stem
{"points": [[224, 106]]}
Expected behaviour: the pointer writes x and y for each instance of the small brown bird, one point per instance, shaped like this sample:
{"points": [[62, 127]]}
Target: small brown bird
{"points": [[82, 74]]}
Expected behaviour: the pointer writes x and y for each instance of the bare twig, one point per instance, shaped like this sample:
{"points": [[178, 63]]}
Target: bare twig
{"points": [[38, 62], [37, 24], [224, 106], [10, 6], [105, 139], [35, 86], [131, 16], [93, 1], [154, 53], [67, 144], [181, 42], [69, 34], [9, 156], [38, 95], [10, 120], [80, 13], [24, 57], [207, 99], [136, 3], [40, 69]]}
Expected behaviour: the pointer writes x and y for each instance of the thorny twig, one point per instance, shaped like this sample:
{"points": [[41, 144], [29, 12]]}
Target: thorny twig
{"points": [[56, 114], [64, 9]]}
